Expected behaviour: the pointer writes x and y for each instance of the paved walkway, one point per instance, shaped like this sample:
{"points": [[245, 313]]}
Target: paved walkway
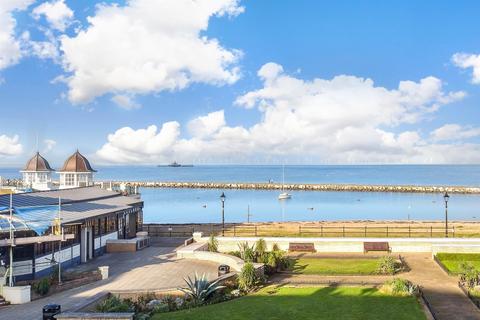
{"points": [[441, 291], [153, 268]]}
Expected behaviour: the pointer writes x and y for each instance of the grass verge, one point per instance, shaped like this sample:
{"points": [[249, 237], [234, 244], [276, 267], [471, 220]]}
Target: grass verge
{"points": [[452, 261], [308, 303]]}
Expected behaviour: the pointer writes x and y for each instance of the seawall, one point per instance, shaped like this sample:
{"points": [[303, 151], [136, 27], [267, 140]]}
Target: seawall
{"points": [[303, 187]]}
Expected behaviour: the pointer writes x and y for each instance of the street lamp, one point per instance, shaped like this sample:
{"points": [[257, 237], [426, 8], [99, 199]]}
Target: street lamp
{"points": [[222, 198], [446, 197]]}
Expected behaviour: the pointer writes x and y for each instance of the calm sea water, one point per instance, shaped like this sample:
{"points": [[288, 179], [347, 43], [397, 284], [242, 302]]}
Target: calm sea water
{"points": [[199, 205]]}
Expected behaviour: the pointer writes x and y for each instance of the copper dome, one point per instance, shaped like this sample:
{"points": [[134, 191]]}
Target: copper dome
{"points": [[37, 163], [77, 163]]}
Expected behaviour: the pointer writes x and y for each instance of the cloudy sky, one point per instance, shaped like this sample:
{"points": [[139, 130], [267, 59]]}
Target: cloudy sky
{"points": [[254, 82]]}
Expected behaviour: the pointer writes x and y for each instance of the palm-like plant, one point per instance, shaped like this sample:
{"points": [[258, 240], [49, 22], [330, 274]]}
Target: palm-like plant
{"points": [[199, 289], [247, 253]]}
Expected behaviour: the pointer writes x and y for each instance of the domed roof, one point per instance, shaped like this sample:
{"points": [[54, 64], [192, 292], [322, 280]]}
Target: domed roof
{"points": [[77, 163], [37, 163]]}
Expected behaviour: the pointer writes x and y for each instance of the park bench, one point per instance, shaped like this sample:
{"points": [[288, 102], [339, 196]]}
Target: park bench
{"points": [[301, 247], [376, 246]]}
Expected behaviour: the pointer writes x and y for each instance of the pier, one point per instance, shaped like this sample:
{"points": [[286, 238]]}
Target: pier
{"points": [[301, 187]]}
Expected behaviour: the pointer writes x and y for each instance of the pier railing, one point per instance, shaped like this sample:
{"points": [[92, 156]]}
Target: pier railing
{"points": [[345, 231]]}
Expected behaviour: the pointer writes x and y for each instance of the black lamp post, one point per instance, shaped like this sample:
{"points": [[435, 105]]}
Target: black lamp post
{"points": [[446, 197], [222, 198]]}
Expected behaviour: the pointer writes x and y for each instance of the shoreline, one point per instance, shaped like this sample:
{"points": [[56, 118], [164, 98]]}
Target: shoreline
{"points": [[300, 187]]}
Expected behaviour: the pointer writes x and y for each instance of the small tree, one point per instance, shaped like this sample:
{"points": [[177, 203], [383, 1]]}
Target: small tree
{"points": [[212, 243]]}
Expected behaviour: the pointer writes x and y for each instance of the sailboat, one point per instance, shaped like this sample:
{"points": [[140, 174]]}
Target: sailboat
{"points": [[284, 195]]}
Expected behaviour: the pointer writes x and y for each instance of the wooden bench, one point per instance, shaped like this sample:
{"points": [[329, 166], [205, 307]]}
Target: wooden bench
{"points": [[376, 246], [301, 247]]}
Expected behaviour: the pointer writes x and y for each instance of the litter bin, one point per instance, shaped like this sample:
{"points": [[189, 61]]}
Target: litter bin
{"points": [[50, 310], [223, 269]]}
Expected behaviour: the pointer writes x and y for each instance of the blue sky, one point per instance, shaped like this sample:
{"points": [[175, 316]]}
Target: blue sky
{"points": [[219, 107]]}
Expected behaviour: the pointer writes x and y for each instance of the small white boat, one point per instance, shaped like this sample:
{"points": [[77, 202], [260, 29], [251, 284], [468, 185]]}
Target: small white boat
{"points": [[284, 195]]}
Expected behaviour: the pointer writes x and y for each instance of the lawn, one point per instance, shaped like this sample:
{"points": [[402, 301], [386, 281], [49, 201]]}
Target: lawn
{"points": [[342, 266], [307, 303], [452, 261]]}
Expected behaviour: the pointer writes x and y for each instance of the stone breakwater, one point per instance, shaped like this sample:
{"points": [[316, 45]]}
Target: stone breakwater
{"points": [[304, 187]]}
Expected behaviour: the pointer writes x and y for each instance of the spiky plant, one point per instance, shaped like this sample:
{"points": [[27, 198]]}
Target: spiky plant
{"points": [[199, 289], [247, 253], [260, 249], [212, 243]]}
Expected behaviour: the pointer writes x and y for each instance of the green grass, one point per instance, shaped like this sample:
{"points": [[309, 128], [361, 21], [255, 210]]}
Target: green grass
{"points": [[339, 266], [452, 261], [307, 303]]}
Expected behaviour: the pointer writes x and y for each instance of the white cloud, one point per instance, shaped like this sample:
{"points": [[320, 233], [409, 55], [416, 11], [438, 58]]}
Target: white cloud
{"points": [[465, 61], [148, 46], [10, 146], [49, 144], [57, 13], [143, 145], [125, 101], [10, 46], [341, 120], [452, 132], [207, 125]]}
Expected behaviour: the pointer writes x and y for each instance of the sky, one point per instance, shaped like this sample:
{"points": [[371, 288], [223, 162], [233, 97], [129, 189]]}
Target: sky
{"points": [[240, 82]]}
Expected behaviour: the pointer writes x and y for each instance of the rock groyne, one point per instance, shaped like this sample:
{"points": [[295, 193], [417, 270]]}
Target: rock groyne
{"points": [[304, 187]]}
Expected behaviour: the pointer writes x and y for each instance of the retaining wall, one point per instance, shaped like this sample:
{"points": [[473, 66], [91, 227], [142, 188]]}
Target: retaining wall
{"points": [[429, 245]]}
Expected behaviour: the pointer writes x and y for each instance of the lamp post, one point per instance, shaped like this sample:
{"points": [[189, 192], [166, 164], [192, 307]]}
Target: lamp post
{"points": [[446, 197], [222, 198]]}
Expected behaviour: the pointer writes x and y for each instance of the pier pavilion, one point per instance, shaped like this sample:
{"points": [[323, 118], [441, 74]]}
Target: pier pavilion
{"points": [[69, 225]]}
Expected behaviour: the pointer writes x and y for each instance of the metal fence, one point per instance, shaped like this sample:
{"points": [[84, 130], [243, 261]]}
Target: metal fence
{"points": [[327, 231]]}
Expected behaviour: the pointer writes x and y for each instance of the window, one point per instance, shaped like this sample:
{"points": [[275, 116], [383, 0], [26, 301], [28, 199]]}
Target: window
{"points": [[69, 179], [42, 177]]}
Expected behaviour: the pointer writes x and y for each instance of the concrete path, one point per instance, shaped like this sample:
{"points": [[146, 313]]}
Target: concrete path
{"points": [[153, 268], [440, 290]]}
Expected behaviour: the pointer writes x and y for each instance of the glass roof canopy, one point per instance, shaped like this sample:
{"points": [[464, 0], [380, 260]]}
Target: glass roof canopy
{"points": [[38, 218]]}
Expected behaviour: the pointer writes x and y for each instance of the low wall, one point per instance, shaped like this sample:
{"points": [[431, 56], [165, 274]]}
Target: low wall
{"points": [[227, 244], [456, 248], [127, 245], [198, 251]]}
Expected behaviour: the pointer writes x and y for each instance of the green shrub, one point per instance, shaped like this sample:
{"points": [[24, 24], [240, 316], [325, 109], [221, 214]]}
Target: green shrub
{"points": [[386, 265], [42, 287], [400, 287], [468, 274], [260, 249], [248, 279], [115, 304], [275, 247], [247, 253], [212, 243], [140, 304]]}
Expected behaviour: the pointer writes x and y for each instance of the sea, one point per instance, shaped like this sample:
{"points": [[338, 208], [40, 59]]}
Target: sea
{"points": [[203, 205]]}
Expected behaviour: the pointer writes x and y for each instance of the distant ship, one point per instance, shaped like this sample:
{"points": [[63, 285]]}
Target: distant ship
{"points": [[175, 164]]}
